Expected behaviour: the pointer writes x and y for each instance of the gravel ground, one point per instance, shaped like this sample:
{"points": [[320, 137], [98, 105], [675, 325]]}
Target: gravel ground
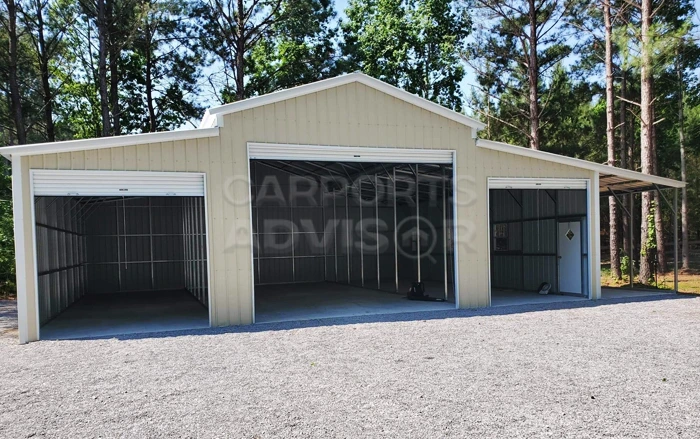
{"points": [[611, 368], [8, 318]]}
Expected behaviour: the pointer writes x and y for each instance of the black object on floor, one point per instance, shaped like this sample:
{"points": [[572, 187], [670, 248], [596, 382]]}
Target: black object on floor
{"points": [[417, 292]]}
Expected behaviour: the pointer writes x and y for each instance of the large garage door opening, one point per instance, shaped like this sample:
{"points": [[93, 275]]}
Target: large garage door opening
{"points": [[336, 239], [539, 245], [109, 265]]}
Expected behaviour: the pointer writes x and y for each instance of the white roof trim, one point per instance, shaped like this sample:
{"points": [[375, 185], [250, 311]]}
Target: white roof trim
{"points": [[578, 163], [208, 121], [106, 142]]}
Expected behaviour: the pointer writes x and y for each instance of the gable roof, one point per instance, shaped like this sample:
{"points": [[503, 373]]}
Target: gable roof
{"points": [[211, 115], [612, 179]]}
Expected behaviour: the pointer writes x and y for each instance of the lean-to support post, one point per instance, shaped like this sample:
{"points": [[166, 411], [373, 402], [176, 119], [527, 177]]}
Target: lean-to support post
{"points": [[674, 208], [675, 240], [631, 238], [630, 232]]}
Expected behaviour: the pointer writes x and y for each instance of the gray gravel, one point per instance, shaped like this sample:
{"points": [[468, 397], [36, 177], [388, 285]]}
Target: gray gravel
{"points": [[617, 369], [8, 318]]}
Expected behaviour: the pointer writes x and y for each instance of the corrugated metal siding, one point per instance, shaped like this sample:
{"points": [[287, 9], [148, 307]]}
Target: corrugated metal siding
{"points": [[60, 257], [531, 217], [352, 115], [137, 244], [192, 224]]}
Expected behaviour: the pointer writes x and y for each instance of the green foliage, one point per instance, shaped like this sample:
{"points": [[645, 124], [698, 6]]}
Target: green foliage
{"points": [[7, 245], [500, 54], [300, 49], [412, 44], [162, 68], [650, 243], [624, 263]]}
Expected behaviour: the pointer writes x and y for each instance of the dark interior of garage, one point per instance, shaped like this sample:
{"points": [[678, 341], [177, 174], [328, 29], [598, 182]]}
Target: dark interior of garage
{"points": [[115, 265], [338, 239], [539, 244]]}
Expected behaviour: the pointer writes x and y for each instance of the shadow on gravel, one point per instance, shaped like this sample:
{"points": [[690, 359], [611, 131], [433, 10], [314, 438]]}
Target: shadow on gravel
{"points": [[401, 317], [8, 314]]}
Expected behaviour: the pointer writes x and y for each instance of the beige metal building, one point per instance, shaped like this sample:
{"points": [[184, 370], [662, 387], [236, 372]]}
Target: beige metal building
{"points": [[326, 200]]}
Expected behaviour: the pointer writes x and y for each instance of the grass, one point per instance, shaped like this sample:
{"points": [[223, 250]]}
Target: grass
{"points": [[688, 281]]}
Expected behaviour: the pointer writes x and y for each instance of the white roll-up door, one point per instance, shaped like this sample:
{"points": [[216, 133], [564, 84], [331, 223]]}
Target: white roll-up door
{"points": [[274, 151], [120, 183], [537, 183]]}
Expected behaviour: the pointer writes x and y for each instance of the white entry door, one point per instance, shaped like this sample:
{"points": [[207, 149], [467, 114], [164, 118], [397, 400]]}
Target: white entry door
{"points": [[570, 257]]}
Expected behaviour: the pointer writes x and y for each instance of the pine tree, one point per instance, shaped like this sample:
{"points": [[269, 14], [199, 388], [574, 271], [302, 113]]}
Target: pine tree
{"points": [[414, 45]]}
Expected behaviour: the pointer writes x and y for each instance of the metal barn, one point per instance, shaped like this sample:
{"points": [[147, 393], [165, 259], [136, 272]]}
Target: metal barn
{"points": [[330, 199]]}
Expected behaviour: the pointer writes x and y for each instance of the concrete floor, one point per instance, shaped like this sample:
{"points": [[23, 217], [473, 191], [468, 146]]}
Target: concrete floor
{"points": [[289, 302], [512, 297], [623, 293], [98, 315]]}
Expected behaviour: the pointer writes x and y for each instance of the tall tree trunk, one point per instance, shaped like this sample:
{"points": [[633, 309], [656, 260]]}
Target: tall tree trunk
{"points": [[647, 151], [660, 205], [44, 69], [152, 126], [610, 134], [685, 249], [113, 51], [624, 163], [533, 76], [13, 77], [239, 68], [103, 31]]}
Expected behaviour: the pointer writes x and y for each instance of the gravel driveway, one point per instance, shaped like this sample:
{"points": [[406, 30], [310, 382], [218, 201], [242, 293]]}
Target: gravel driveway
{"points": [[8, 318], [617, 369]]}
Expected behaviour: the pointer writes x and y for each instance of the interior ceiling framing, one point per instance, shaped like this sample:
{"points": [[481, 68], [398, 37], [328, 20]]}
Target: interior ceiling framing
{"points": [[336, 173], [85, 206], [610, 184]]}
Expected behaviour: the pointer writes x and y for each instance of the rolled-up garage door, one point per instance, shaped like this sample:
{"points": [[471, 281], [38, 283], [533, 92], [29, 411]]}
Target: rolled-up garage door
{"points": [[278, 151], [119, 183]]}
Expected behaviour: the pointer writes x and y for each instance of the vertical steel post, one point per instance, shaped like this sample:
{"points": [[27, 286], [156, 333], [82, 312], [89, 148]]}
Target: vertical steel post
{"points": [[396, 240], [444, 227], [195, 252], [323, 239], [418, 221], [631, 233], [675, 240], [347, 231], [335, 235], [362, 237], [184, 242], [257, 216], [150, 233], [201, 247], [291, 217], [376, 226], [119, 246]]}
